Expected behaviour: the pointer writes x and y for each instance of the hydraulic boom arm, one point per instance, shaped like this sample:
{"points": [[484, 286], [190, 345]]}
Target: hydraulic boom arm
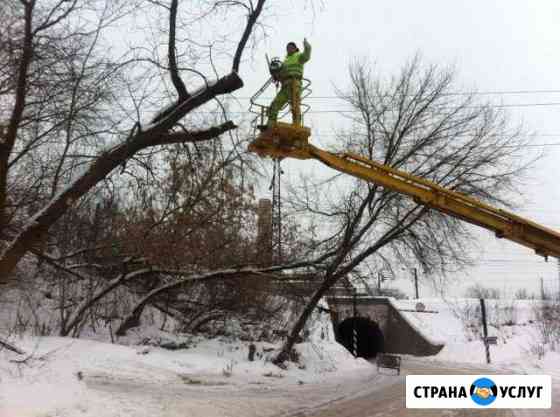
{"points": [[289, 141]]}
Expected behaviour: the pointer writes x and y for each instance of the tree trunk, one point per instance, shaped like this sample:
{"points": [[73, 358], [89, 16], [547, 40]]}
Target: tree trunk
{"points": [[38, 226], [304, 316]]}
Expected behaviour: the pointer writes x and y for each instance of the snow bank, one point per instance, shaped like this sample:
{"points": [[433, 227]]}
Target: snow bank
{"points": [[457, 323], [62, 377]]}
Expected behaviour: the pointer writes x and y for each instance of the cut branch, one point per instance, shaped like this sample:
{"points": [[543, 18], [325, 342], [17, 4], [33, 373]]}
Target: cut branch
{"points": [[196, 136]]}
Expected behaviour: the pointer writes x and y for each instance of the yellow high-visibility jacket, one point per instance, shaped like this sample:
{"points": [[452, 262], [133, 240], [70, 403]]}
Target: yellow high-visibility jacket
{"points": [[292, 67]]}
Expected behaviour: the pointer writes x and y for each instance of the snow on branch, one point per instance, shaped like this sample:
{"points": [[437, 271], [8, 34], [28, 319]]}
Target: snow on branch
{"points": [[133, 318], [4, 343]]}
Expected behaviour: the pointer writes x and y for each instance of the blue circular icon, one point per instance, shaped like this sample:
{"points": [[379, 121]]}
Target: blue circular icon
{"points": [[483, 391]]}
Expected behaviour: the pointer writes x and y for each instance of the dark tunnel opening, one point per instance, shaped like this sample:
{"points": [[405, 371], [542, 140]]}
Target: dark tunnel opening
{"points": [[370, 339]]}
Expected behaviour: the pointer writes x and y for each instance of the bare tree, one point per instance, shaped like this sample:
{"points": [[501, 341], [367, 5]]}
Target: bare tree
{"points": [[416, 123], [479, 291], [72, 171]]}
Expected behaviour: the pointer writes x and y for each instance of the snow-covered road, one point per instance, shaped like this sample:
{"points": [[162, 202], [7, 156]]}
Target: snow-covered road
{"points": [[389, 400], [365, 395], [213, 397]]}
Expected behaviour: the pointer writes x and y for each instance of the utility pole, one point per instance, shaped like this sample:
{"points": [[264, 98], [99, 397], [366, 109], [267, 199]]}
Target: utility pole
{"points": [[485, 329], [354, 329], [416, 283], [277, 255], [543, 295], [379, 283]]}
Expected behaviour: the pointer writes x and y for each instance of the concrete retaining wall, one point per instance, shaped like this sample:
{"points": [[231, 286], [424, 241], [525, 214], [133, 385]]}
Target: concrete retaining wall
{"points": [[400, 336]]}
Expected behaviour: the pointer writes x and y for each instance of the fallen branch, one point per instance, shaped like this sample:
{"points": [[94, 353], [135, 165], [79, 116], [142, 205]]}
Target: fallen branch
{"points": [[4, 343]]}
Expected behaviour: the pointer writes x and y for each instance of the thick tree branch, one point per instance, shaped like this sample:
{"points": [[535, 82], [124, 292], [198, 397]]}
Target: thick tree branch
{"points": [[78, 313], [133, 317], [8, 140], [168, 117], [175, 78], [251, 21], [195, 136], [39, 225], [54, 262]]}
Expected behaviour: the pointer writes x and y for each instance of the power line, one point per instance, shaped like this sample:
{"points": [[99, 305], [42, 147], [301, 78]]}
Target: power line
{"points": [[456, 93], [532, 145], [345, 111], [533, 266], [506, 266], [507, 260], [540, 135], [495, 106]]}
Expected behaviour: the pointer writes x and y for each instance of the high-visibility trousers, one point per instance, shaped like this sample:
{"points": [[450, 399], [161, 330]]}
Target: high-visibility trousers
{"points": [[290, 92]]}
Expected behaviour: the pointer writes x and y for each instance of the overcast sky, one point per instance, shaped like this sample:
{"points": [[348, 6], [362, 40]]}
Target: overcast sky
{"points": [[498, 46]]}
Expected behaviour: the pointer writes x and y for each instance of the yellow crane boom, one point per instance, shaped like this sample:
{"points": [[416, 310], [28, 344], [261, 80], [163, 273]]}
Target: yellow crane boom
{"points": [[288, 141]]}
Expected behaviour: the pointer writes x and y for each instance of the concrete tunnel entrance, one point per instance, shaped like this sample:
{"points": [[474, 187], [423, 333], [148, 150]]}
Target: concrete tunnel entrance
{"points": [[370, 336]]}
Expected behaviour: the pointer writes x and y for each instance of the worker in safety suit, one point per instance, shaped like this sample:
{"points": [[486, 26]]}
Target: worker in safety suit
{"points": [[290, 76]]}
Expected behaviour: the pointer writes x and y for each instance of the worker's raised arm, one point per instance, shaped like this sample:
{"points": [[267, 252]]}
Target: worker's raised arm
{"points": [[306, 54]]}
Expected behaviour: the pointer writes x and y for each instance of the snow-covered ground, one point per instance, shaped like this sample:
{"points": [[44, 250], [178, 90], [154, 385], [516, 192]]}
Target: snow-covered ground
{"points": [[76, 377], [63, 377], [513, 322]]}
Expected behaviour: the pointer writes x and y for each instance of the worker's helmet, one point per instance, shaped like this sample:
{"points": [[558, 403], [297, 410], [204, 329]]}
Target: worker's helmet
{"points": [[275, 66], [293, 45]]}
